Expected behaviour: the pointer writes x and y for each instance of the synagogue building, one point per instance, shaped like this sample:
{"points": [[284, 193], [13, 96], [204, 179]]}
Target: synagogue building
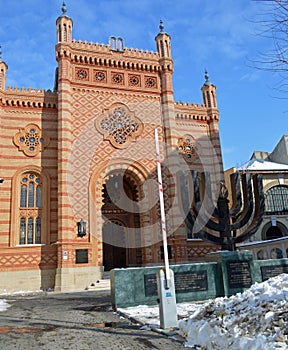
{"points": [[79, 191]]}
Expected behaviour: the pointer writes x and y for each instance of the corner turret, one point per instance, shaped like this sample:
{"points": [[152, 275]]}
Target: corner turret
{"points": [[163, 41], [64, 27], [3, 70], [209, 93]]}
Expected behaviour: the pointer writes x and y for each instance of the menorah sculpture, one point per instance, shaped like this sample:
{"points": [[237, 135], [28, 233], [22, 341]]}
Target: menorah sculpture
{"points": [[245, 213]]}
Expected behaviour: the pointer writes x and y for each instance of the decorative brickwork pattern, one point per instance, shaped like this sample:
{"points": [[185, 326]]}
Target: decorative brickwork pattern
{"points": [[27, 260], [90, 153], [198, 252]]}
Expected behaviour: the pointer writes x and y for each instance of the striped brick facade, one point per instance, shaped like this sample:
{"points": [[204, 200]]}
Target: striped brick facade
{"points": [[94, 139]]}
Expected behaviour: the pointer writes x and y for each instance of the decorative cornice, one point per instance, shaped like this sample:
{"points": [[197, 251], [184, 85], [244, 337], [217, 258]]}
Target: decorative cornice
{"points": [[102, 55], [188, 111]]}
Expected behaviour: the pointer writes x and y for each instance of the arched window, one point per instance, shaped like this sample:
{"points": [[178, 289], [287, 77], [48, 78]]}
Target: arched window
{"points": [[261, 255], [276, 200], [276, 253], [59, 32], [30, 207], [65, 32], [116, 43], [273, 232]]}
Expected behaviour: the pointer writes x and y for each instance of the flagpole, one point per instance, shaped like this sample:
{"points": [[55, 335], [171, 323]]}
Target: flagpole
{"points": [[161, 198]]}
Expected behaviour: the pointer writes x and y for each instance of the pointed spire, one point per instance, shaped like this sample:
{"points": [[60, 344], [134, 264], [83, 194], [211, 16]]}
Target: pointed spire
{"points": [[1, 59], [207, 81], [161, 26], [64, 9]]}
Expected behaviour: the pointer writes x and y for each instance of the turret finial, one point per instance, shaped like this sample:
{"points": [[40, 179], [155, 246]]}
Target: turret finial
{"points": [[161, 26], [1, 60], [64, 9], [207, 81]]}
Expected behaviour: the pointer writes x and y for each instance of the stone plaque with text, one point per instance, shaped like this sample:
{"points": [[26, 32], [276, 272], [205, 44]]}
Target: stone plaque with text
{"points": [[81, 256], [272, 271], [185, 282], [239, 274], [150, 284]]}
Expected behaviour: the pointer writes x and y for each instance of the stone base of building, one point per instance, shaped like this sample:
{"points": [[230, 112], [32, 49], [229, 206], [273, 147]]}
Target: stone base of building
{"points": [[59, 280], [27, 280], [76, 279]]}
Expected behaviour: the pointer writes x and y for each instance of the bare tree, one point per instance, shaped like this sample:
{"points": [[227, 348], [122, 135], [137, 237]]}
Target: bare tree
{"points": [[274, 25]]}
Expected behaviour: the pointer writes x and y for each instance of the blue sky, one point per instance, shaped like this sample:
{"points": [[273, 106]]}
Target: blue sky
{"points": [[220, 36]]}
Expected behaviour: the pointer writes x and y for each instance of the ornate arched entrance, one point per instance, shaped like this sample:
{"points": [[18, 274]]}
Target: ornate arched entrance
{"points": [[121, 235], [114, 242]]}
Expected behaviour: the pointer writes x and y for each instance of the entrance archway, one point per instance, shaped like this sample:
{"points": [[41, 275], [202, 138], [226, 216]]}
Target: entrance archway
{"points": [[114, 251], [121, 229]]}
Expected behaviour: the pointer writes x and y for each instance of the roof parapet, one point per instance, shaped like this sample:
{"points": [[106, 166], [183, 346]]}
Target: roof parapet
{"points": [[100, 47], [29, 90]]}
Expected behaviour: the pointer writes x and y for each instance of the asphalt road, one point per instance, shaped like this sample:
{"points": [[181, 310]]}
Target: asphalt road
{"points": [[74, 321]]}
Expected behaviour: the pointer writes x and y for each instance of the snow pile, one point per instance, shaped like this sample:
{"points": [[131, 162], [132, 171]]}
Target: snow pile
{"points": [[252, 320], [3, 305]]}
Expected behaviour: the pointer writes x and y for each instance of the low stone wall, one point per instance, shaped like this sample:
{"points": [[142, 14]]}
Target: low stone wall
{"points": [[226, 273], [265, 269], [136, 286]]}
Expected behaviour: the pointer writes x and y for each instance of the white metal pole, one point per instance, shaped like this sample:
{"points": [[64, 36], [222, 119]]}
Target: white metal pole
{"points": [[161, 198]]}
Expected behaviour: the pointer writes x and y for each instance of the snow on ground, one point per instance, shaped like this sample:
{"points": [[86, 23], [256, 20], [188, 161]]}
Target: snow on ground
{"points": [[3, 305], [253, 320]]}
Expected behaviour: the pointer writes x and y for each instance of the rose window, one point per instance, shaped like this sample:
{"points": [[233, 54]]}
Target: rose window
{"points": [[186, 147], [100, 76], [31, 140], [134, 80], [81, 74], [117, 78], [119, 126], [150, 82]]}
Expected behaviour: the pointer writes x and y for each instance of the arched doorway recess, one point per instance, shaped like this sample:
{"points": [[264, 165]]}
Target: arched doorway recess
{"points": [[121, 232]]}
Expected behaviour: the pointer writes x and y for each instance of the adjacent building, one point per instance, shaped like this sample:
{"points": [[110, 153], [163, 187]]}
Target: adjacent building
{"points": [[272, 235]]}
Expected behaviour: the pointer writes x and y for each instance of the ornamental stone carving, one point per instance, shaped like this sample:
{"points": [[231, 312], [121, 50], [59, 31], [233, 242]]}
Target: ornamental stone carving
{"points": [[186, 147], [31, 140], [119, 126], [81, 73]]}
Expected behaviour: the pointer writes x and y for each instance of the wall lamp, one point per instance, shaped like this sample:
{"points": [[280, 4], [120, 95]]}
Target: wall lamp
{"points": [[81, 228]]}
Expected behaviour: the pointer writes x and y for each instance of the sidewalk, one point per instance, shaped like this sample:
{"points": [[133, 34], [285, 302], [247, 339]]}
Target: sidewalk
{"points": [[74, 321]]}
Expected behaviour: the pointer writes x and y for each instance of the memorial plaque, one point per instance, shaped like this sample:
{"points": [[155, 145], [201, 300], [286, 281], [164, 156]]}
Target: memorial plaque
{"points": [[272, 271], [150, 285], [81, 256], [185, 282], [239, 274]]}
